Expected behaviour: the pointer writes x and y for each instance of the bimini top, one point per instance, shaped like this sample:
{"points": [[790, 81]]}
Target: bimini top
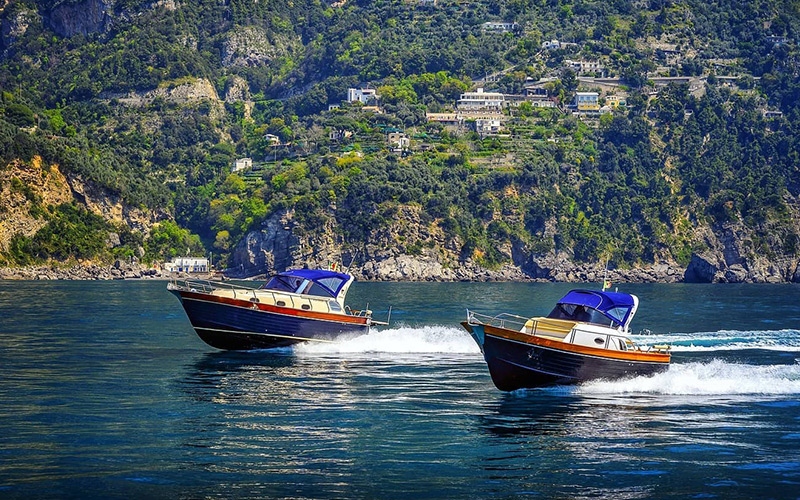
{"points": [[317, 282], [615, 309]]}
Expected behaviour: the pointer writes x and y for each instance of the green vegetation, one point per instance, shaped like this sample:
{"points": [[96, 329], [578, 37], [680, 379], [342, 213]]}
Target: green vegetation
{"points": [[629, 185]]}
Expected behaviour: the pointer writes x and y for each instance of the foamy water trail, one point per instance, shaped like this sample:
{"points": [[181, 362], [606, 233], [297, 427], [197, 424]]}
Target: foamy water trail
{"points": [[712, 378], [403, 339], [726, 340]]}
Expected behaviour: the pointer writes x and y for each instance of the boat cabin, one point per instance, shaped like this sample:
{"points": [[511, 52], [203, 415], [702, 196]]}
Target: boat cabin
{"points": [[609, 309], [315, 282]]}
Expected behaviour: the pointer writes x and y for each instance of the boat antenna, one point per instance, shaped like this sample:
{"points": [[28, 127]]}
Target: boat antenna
{"points": [[352, 259], [606, 281]]}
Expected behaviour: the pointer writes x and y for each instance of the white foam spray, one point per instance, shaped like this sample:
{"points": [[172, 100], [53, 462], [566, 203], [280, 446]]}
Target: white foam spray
{"points": [[403, 339]]}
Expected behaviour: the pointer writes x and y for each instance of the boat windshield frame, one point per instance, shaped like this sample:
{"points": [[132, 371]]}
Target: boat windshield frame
{"points": [[611, 309], [320, 283]]}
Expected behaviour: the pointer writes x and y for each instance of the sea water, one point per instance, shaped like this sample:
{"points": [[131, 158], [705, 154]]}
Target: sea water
{"points": [[107, 393]]}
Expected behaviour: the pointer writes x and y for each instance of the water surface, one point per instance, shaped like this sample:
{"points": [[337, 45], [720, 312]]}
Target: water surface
{"points": [[107, 392]]}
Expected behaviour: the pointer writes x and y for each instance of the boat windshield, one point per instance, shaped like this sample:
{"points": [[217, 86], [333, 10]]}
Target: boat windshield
{"points": [[574, 312], [306, 283]]}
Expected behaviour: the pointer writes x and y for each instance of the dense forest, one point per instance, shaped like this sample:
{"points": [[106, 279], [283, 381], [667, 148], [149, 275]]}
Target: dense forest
{"points": [[152, 102]]}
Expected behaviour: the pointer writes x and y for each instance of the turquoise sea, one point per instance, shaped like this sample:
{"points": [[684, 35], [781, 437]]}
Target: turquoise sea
{"points": [[106, 392]]}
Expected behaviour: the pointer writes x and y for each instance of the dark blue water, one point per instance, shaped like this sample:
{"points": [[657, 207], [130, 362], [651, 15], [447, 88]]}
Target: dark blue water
{"points": [[107, 393]]}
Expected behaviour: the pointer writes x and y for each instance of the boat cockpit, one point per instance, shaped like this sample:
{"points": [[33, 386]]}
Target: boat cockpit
{"points": [[584, 314], [297, 284]]}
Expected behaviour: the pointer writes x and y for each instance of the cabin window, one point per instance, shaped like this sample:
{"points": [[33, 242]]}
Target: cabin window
{"points": [[283, 283], [316, 289], [574, 312], [618, 313]]}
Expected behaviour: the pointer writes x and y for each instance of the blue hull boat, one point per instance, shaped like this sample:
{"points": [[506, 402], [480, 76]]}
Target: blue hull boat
{"points": [[299, 305]]}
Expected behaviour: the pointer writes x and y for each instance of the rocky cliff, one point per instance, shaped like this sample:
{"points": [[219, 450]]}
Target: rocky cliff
{"points": [[409, 250], [29, 188]]}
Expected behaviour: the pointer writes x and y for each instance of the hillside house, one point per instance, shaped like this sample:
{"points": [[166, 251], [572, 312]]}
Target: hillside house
{"points": [[488, 126], [339, 135], [452, 121], [480, 101], [500, 27], [367, 97], [398, 141], [584, 67], [551, 45], [242, 164], [587, 102]]}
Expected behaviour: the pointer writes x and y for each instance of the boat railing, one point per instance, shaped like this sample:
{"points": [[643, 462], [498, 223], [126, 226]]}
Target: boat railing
{"points": [[207, 286], [502, 320], [258, 294], [532, 326]]}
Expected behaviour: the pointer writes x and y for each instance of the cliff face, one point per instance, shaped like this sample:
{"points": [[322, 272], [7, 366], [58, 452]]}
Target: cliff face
{"points": [[408, 250], [736, 254], [28, 189], [85, 18], [22, 186]]}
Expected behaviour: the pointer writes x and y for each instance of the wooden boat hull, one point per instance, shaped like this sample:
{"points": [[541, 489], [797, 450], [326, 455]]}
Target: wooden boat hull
{"points": [[517, 360], [235, 324]]}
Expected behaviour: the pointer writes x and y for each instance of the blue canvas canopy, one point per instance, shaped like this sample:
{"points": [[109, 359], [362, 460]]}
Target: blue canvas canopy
{"points": [[323, 282], [618, 307]]}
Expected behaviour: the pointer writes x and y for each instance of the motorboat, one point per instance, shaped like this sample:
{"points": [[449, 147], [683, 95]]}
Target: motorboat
{"points": [[299, 305], [585, 337]]}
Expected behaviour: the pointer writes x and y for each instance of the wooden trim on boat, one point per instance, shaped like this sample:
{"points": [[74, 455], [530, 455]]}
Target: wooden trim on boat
{"points": [[288, 311], [551, 343]]}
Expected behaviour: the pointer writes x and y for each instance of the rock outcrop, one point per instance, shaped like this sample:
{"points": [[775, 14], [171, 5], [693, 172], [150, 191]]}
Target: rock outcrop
{"points": [[251, 46], [407, 249], [15, 25], [84, 18]]}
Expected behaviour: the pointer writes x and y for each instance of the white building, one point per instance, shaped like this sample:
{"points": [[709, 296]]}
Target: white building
{"points": [[242, 164], [398, 141], [500, 27], [582, 67], [187, 265], [481, 100], [488, 126], [364, 96]]}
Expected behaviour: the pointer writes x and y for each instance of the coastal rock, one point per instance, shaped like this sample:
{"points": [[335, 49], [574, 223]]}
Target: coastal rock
{"points": [[702, 269], [84, 18], [265, 251], [119, 270], [736, 274], [184, 91]]}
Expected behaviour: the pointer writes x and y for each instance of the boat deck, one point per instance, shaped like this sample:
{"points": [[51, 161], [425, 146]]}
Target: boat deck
{"points": [[263, 296], [571, 332]]}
